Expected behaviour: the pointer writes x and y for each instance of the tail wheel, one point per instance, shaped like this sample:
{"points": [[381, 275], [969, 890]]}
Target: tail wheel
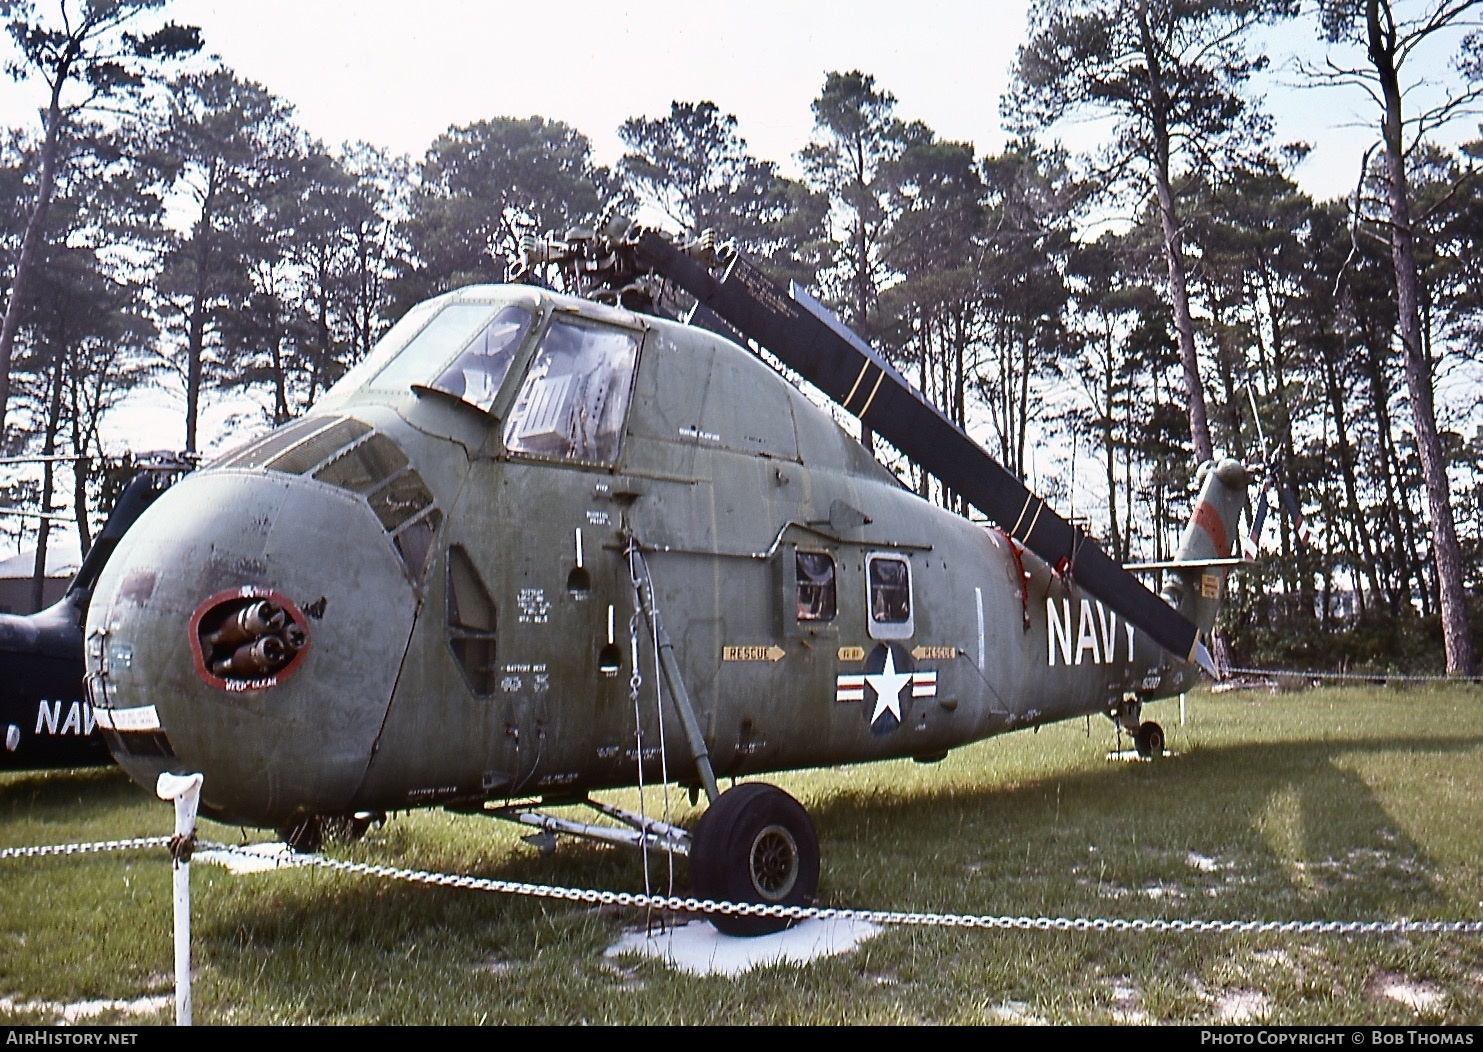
{"points": [[755, 844], [1149, 740]]}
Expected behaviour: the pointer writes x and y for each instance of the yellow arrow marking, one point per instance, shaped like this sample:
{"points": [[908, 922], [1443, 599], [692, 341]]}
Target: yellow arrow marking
{"points": [[767, 653], [934, 653]]}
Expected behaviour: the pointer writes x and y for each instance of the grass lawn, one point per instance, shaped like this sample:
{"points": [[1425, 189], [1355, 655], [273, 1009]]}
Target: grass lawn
{"points": [[1347, 804]]}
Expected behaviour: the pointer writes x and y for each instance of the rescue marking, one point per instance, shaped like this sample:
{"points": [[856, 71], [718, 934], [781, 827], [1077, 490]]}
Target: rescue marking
{"points": [[754, 653]]}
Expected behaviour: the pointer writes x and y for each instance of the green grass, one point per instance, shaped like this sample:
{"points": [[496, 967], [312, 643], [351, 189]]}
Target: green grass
{"points": [[1325, 805]]}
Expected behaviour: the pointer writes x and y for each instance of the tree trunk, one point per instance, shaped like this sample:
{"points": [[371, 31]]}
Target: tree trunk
{"points": [[1357, 516], [1199, 423], [1447, 552], [48, 482], [1109, 396], [46, 183]]}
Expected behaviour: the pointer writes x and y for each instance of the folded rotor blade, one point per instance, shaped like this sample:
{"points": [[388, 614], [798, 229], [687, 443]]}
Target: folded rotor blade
{"points": [[844, 367]]}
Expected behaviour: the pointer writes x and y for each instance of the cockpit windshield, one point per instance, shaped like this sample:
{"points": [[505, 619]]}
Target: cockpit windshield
{"points": [[463, 348], [485, 338], [480, 368]]}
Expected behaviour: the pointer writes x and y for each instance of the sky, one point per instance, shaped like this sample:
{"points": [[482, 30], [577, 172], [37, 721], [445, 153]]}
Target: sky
{"points": [[397, 74]]}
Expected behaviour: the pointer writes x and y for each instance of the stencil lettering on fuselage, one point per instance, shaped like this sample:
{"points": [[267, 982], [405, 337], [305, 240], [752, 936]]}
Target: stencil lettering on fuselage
{"points": [[1093, 640], [533, 608]]}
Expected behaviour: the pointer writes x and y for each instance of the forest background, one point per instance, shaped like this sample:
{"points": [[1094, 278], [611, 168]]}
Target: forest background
{"points": [[1134, 278]]}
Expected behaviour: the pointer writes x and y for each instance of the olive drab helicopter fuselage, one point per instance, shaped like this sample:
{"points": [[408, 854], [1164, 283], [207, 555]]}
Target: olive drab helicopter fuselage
{"points": [[535, 546]]}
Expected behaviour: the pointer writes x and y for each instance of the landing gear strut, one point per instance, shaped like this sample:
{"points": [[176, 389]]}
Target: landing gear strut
{"points": [[1148, 737]]}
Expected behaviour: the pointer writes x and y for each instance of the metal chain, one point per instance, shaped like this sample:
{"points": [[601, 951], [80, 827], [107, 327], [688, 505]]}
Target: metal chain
{"points": [[1368, 677], [883, 917], [878, 917], [83, 849]]}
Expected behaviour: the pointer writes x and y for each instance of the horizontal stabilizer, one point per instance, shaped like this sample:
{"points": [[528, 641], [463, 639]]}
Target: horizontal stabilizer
{"points": [[1189, 564]]}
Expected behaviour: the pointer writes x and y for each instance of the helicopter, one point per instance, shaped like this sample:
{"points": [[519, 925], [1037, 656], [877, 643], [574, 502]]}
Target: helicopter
{"points": [[539, 544], [45, 719]]}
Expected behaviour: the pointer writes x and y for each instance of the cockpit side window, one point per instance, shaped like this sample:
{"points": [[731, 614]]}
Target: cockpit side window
{"points": [[816, 594], [476, 374], [889, 579], [575, 397]]}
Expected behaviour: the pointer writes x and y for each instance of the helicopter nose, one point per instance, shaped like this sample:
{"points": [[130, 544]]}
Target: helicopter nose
{"points": [[250, 627]]}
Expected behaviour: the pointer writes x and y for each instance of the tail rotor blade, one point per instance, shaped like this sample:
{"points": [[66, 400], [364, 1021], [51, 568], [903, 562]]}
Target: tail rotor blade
{"points": [[1300, 524], [1253, 545]]}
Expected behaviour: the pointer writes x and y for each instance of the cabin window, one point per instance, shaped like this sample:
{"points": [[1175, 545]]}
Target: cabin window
{"points": [[477, 373], [816, 596], [574, 399], [889, 580], [471, 622]]}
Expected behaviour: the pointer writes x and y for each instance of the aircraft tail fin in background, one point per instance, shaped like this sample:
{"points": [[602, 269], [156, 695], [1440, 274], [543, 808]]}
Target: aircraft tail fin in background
{"points": [[1196, 577], [1205, 556]]}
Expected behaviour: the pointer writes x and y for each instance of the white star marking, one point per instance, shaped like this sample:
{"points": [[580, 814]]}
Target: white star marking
{"points": [[888, 683]]}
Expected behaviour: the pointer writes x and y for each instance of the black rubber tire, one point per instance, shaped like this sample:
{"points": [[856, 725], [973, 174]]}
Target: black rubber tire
{"points": [[1149, 740], [305, 836], [755, 844], [309, 834]]}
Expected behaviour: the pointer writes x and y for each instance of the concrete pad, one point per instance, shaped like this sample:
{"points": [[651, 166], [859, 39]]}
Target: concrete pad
{"points": [[695, 946], [251, 858]]}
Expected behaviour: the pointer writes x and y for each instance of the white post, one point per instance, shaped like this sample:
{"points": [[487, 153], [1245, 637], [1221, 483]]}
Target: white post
{"points": [[1181, 710], [185, 790]]}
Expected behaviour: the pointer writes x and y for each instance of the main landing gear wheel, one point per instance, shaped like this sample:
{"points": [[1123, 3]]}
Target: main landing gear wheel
{"points": [[1149, 740], [755, 844]]}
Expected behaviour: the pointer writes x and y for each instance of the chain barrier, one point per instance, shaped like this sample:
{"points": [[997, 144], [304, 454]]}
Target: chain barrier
{"points": [[882, 918], [83, 849], [1357, 677], [1354, 677]]}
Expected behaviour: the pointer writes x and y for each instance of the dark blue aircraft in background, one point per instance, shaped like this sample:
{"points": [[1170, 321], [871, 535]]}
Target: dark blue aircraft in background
{"points": [[45, 719]]}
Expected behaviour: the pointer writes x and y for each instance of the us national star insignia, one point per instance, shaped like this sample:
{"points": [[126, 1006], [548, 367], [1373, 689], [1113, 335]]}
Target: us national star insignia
{"points": [[889, 672]]}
